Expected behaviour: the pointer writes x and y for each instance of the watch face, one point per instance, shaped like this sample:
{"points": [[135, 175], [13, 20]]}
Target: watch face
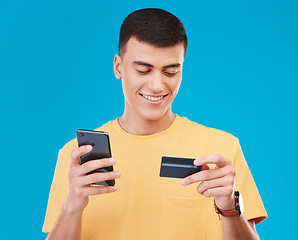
{"points": [[239, 202]]}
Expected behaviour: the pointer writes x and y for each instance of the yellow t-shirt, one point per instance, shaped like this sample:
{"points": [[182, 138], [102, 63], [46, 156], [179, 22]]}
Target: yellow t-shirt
{"points": [[147, 206]]}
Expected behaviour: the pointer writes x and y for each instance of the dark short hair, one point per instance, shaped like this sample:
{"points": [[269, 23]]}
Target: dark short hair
{"points": [[154, 26]]}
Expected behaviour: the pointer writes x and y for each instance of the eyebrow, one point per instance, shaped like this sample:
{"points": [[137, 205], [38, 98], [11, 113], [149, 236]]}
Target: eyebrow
{"points": [[143, 64], [177, 65]]}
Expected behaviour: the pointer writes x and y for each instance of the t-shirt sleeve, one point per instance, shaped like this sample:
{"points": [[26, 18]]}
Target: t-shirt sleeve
{"points": [[58, 190], [245, 184]]}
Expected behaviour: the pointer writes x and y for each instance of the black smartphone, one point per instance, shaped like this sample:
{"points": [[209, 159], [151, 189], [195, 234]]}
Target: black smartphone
{"points": [[101, 149], [178, 167]]}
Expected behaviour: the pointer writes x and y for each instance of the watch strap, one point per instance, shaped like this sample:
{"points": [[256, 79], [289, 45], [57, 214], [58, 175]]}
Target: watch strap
{"points": [[232, 212]]}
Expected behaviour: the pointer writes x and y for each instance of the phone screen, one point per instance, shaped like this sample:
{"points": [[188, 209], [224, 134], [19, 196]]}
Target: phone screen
{"points": [[101, 149]]}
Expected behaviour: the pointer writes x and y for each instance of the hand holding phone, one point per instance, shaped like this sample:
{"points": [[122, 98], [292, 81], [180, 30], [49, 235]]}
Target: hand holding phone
{"points": [[101, 149], [80, 182]]}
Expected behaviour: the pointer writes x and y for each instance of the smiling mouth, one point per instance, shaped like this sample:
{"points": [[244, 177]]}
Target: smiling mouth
{"points": [[153, 98]]}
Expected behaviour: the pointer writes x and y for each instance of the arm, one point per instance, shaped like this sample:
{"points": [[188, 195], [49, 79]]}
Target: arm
{"points": [[219, 183], [68, 225], [238, 228]]}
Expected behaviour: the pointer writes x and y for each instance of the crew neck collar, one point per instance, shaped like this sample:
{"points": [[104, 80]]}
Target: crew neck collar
{"points": [[120, 131]]}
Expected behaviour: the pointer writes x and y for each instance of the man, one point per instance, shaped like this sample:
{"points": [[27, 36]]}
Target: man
{"points": [[142, 205]]}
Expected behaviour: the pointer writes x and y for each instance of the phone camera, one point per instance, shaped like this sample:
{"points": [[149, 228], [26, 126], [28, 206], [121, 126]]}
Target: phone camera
{"points": [[81, 134]]}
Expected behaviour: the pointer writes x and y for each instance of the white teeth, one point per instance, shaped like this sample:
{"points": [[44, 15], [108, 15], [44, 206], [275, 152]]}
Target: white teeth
{"points": [[152, 98]]}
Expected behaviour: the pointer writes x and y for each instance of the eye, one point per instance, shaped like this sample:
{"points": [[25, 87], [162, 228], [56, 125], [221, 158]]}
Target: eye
{"points": [[170, 71], [143, 72], [169, 74]]}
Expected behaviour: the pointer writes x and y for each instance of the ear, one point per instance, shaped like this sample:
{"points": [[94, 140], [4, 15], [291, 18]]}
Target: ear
{"points": [[117, 66]]}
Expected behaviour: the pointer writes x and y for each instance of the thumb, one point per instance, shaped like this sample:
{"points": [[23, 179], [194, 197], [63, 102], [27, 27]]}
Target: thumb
{"points": [[206, 167]]}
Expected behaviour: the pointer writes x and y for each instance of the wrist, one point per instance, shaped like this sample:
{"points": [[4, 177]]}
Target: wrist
{"points": [[236, 210], [74, 206], [225, 203], [72, 210]]}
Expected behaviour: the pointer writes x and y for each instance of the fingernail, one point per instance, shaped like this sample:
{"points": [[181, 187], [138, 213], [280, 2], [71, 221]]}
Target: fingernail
{"points": [[183, 182], [88, 147], [117, 174], [112, 160], [115, 188], [196, 162]]}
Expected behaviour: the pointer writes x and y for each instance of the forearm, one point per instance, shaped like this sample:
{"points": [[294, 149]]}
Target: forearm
{"points": [[68, 225], [238, 228]]}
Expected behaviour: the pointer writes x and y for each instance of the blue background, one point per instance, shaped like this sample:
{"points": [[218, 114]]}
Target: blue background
{"points": [[56, 71]]}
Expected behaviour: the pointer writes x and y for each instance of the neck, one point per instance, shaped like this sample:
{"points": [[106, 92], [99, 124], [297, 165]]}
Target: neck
{"points": [[137, 125]]}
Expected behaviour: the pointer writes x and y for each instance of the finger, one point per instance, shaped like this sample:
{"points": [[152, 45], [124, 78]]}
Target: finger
{"points": [[75, 155], [206, 167], [95, 164], [98, 177], [217, 159], [208, 175], [215, 183], [89, 191], [225, 191]]}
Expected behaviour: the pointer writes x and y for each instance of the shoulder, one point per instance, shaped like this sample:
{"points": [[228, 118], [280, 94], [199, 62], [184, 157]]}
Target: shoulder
{"points": [[198, 130]]}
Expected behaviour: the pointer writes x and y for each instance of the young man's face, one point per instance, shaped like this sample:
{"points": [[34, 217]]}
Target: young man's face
{"points": [[151, 77]]}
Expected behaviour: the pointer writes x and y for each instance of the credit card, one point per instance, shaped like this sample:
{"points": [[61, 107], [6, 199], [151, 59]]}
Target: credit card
{"points": [[178, 167]]}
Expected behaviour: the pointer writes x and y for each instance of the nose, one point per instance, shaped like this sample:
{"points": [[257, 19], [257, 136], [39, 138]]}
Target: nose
{"points": [[156, 83]]}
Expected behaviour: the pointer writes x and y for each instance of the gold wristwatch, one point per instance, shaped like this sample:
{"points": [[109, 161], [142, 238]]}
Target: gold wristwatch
{"points": [[232, 212]]}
